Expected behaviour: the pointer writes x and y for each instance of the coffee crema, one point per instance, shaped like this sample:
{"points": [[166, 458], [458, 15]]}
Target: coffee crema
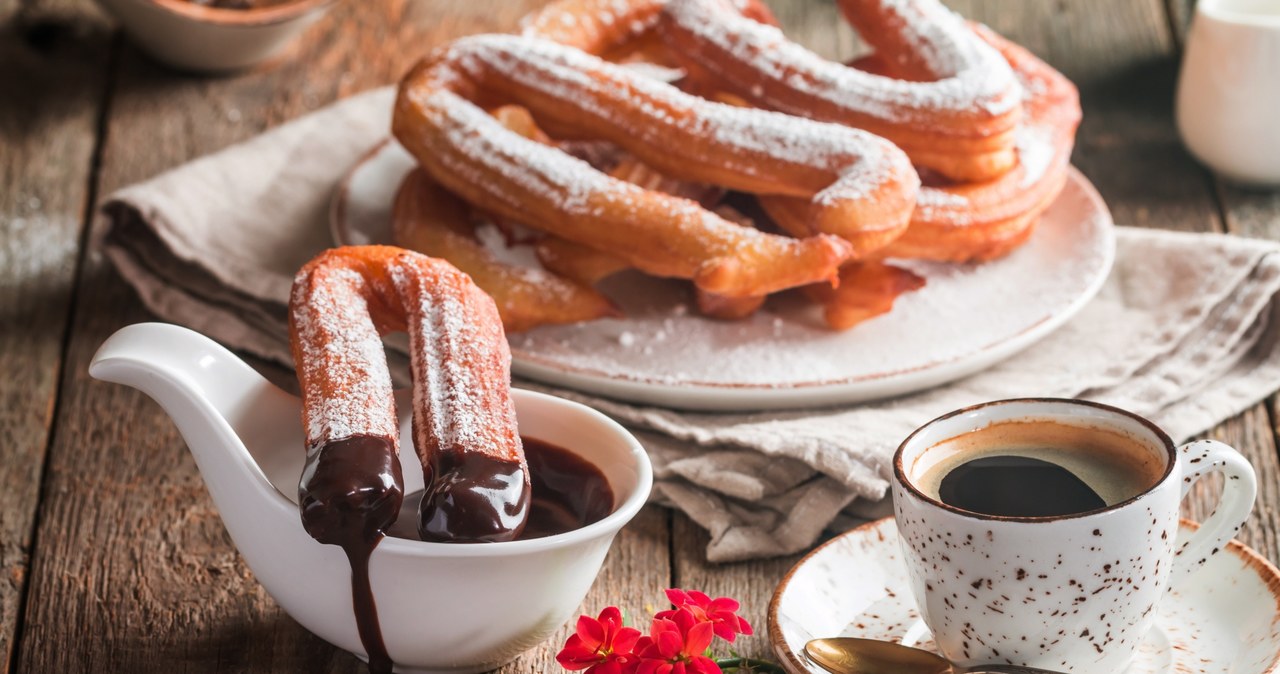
{"points": [[1037, 468]]}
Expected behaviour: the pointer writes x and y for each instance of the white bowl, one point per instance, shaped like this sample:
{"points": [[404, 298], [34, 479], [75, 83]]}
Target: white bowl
{"points": [[209, 39], [442, 607]]}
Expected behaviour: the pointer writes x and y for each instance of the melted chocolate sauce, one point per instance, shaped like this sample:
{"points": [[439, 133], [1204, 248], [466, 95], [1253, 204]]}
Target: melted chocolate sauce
{"points": [[569, 492], [352, 491], [473, 499]]}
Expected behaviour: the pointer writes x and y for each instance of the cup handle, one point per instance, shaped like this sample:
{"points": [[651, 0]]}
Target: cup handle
{"points": [[1239, 490]]}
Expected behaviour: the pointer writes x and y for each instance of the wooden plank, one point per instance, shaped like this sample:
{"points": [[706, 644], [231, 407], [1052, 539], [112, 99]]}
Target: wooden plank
{"points": [[1180, 12], [53, 57], [130, 543], [1250, 211]]}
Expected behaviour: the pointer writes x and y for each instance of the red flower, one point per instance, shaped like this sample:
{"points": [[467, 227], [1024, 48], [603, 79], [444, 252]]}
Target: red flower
{"points": [[677, 644], [721, 612], [601, 645]]}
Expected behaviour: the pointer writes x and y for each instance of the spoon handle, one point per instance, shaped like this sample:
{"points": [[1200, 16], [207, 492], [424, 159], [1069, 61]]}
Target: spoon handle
{"points": [[1003, 669]]}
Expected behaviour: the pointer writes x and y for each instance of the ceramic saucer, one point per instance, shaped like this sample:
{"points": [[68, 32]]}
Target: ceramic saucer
{"points": [[965, 319], [1227, 619]]}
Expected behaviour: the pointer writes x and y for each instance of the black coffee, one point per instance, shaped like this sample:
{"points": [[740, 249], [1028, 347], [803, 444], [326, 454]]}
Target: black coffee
{"points": [[1017, 486], [1038, 469]]}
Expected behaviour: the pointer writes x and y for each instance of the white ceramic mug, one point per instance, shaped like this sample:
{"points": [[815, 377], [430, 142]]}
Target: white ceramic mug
{"points": [[1074, 593], [1228, 102]]}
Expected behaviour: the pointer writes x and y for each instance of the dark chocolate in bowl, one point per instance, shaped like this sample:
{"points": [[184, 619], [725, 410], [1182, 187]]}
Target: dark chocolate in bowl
{"points": [[569, 492]]}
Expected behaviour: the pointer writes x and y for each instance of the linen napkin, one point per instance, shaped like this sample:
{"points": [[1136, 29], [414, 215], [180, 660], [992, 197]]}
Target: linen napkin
{"points": [[1183, 333]]}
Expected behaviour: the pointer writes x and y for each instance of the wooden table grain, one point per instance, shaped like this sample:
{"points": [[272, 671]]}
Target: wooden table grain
{"points": [[112, 557]]}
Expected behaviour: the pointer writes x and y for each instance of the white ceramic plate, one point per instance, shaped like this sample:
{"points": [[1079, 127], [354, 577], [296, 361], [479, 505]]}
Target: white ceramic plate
{"points": [[965, 319], [1227, 619]]}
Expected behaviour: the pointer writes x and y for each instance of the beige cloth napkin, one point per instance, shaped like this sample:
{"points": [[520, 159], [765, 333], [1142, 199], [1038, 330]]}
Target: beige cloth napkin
{"points": [[1183, 332]]}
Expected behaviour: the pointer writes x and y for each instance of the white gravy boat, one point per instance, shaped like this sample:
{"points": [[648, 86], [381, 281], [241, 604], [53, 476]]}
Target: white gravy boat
{"points": [[442, 607]]}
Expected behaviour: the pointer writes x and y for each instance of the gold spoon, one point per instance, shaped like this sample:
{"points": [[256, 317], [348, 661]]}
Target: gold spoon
{"points": [[847, 655]]}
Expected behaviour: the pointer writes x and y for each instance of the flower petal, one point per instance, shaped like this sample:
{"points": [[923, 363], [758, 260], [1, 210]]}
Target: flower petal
{"points": [[624, 642], [698, 639], [703, 665], [590, 631]]}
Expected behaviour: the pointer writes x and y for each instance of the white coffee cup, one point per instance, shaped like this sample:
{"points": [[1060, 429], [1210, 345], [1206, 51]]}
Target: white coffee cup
{"points": [[1228, 101], [1075, 592]]}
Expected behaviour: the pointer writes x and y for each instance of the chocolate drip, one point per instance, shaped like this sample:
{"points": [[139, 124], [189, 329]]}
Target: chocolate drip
{"points": [[366, 609], [351, 491], [474, 498]]}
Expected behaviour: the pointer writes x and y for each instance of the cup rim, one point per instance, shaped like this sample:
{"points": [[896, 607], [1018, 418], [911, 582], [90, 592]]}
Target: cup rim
{"points": [[900, 473]]}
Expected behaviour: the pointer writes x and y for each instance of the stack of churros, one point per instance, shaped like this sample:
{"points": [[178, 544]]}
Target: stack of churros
{"points": [[620, 131]]}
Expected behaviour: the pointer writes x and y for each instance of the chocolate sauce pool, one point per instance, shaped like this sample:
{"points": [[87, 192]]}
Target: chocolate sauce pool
{"points": [[339, 508]]}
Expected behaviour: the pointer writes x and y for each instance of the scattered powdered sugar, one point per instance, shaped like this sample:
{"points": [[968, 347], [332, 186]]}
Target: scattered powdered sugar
{"points": [[461, 362], [1043, 144], [934, 205], [640, 114], [460, 359], [654, 71], [590, 22], [341, 353], [972, 77], [1036, 151], [932, 197], [787, 344]]}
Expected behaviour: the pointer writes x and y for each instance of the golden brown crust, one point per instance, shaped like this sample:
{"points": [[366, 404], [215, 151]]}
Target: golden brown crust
{"points": [[464, 421], [952, 105], [428, 219], [484, 163], [866, 290]]}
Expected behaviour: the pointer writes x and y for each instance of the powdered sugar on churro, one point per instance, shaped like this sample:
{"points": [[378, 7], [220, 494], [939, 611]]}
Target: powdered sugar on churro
{"points": [[461, 362], [844, 167], [972, 78], [339, 347]]}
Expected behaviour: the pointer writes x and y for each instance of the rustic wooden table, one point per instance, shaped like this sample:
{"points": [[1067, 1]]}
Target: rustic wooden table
{"points": [[113, 559]]}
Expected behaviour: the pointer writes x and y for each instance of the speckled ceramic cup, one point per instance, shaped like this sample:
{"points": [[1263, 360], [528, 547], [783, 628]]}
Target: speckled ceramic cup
{"points": [[1074, 593]]}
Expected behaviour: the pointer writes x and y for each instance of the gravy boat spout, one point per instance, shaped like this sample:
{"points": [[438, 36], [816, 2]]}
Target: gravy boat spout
{"points": [[442, 607]]}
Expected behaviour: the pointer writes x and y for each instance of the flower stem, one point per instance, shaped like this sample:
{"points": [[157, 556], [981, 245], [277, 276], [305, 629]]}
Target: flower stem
{"points": [[743, 665]]}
